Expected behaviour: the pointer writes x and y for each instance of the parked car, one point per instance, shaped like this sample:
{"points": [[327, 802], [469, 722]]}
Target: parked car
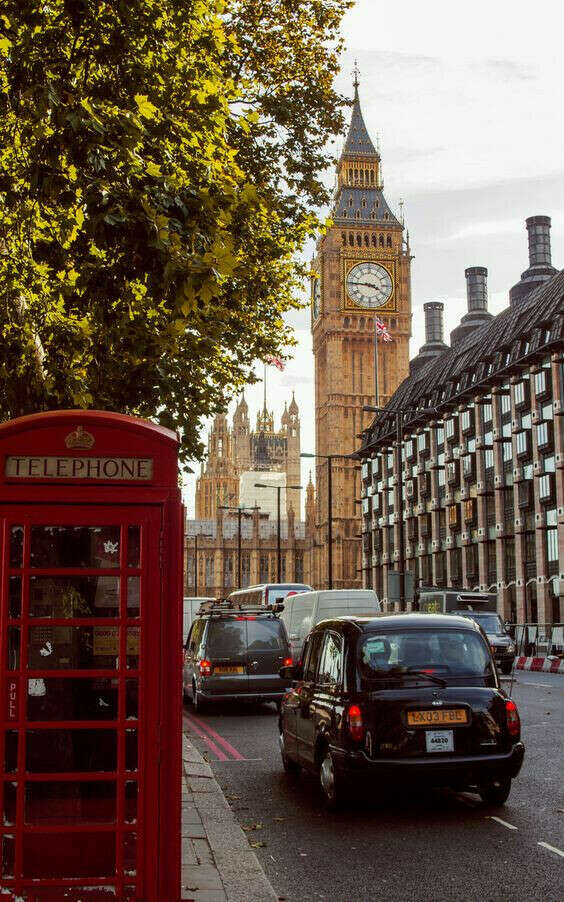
{"points": [[502, 645], [411, 698], [235, 654], [304, 609]]}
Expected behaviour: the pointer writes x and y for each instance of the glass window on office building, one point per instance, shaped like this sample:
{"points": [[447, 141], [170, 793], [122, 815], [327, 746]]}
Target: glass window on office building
{"points": [[209, 571]]}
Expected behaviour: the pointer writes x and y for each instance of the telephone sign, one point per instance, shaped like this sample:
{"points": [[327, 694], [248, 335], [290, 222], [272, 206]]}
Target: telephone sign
{"points": [[90, 659]]}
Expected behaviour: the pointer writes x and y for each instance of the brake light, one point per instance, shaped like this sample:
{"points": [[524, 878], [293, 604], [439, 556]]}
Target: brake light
{"points": [[205, 667], [287, 662], [513, 720], [355, 724]]}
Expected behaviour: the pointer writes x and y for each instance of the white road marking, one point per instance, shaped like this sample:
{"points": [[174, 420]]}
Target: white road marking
{"points": [[545, 845], [491, 817], [540, 685]]}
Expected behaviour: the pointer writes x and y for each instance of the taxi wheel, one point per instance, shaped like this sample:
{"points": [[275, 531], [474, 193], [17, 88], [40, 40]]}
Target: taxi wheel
{"points": [[496, 792], [291, 767], [332, 784]]}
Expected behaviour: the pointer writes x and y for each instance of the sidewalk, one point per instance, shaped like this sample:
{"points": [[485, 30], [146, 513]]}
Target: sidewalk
{"points": [[218, 864]]}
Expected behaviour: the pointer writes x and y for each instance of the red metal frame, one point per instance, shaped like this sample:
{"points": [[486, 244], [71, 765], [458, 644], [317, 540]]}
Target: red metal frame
{"points": [[156, 509]]}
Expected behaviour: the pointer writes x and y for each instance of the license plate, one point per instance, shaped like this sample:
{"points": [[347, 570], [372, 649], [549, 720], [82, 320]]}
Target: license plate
{"points": [[439, 740], [228, 670], [438, 716]]}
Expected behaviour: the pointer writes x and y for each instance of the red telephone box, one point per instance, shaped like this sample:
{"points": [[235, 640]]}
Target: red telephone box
{"points": [[90, 659]]}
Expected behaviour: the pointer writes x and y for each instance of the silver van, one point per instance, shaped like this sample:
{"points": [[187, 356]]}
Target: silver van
{"points": [[305, 609]]}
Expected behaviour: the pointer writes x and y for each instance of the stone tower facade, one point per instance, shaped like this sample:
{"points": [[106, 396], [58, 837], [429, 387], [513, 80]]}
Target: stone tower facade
{"points": [[236, 449], [362, 268]]}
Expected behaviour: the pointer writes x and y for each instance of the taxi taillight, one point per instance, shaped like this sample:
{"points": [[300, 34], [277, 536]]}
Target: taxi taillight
{"points": [[512, 718], [205, 667], [287, 662], [355, 724]]}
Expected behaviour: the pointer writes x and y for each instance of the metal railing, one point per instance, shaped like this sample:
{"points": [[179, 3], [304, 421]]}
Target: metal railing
{"points": [[538, 639]]}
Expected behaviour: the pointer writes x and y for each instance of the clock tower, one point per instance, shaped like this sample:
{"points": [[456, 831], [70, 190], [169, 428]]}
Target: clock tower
{"points": [[362, 272]]}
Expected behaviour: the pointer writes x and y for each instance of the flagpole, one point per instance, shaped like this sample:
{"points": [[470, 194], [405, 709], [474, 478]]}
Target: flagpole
{"points": [[376, 402], [264, 384]]}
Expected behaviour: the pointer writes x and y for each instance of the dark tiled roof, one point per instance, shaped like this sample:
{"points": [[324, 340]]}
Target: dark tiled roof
{"points": [[456, 373], [358, 140], [349, 202]]}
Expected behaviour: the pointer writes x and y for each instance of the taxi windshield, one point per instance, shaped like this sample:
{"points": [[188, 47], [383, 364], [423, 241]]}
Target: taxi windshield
{"points": [[417, 652]]}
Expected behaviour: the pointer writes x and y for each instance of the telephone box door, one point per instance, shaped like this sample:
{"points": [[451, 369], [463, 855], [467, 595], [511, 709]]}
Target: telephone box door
{"points": [[80, 616]]}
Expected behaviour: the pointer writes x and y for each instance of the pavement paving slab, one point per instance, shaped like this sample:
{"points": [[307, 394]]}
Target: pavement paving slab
{"points": [[218, 864]]}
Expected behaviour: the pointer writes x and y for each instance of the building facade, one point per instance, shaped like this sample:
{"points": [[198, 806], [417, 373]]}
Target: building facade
{"points": [[473, 495], [218, 559], [236, 449], [362, 267]]}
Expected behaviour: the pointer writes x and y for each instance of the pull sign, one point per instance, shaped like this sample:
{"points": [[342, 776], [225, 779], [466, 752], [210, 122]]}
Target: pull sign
{"points": [[12, 700]]}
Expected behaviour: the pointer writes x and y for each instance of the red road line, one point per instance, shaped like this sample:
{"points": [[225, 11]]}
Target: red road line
{"points": [[219, 739], [217, 751]]}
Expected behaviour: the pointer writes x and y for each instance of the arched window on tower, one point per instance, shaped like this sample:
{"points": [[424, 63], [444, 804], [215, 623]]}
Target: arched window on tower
{"points": [[357, 214], [372, 177], [366, 240], [351, 239], [359, 240], [374, 242], [389, 241], [343, 237], [381, 240], [346, 322]]}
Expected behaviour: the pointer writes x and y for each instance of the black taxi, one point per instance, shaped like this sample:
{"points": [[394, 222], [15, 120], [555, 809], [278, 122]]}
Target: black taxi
{"points": [[405, 697]]}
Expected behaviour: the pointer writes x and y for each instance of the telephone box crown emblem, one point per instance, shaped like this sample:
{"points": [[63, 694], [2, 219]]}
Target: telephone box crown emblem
{"points": [[80, 438]]}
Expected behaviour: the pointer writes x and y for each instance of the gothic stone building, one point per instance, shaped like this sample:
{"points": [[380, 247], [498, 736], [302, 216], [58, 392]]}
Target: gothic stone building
{"points": [[363, 272], [481, 461]]}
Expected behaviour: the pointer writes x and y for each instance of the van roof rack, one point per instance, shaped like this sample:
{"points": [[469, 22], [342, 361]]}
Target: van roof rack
{"points": [[234, 607]]}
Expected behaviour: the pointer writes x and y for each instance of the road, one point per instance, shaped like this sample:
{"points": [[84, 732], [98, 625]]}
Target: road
{"points": [[438, 845]]}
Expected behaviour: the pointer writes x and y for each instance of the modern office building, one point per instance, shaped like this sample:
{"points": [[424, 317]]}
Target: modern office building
{"points": [[473, 497]]}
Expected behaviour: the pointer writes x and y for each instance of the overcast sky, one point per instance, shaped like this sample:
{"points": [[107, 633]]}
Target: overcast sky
{"points": [[467, 101]]}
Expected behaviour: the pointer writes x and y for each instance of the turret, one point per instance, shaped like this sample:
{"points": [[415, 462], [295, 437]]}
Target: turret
{"points": [[434, 343]]}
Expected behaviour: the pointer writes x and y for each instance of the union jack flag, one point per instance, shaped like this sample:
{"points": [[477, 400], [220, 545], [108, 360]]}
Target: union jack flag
{"points": [[274, 361], [382, 331]]}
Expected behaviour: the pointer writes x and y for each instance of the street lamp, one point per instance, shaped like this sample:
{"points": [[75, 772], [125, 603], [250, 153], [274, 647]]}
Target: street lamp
{"points": [[329, 458], [239, 509], [398, 413], [264, 485]]}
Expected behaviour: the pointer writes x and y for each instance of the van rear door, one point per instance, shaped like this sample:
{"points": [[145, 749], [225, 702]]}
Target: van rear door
{"points": [[267, 650], [301, 622]]}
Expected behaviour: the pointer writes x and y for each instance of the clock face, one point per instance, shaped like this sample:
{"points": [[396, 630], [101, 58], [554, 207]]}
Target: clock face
{"points": [[315, 297], [369, 285]]}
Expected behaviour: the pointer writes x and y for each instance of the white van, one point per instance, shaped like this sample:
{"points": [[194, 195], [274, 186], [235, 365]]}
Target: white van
{"points": [[190, 609], [302, 611]]}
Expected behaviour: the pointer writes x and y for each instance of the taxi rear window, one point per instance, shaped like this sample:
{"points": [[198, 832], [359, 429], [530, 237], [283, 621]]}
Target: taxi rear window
{"points": [[441, 652]]}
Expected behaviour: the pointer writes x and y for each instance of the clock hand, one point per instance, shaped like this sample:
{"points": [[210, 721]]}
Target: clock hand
{"points": [[367, 284]]}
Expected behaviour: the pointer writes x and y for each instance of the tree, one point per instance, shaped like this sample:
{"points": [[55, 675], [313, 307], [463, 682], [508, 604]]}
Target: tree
{"points": [[159, 171]]}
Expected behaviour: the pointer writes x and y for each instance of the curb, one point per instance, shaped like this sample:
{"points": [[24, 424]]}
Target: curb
{"points": [[218, 864], [546, 665]]}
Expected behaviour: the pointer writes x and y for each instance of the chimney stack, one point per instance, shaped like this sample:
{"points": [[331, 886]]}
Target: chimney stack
{"points": [[538, 228], [434, 341], [476, 288], [433, 322], [540, 263], [477, 302]]}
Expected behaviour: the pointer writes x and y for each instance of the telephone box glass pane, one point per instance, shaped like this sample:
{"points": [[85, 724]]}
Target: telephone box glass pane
{"points": [[131, 699], [15, 596], [9, 804], [13, 647], [70, 802], [8, 856], [75, 546], [73, 648], [130, 854], [10, 751], [131, 750], [53, 855], [62, 751], [133, 647], [133, 602], [73, 698], [16, 546], [130, 802], [133, 546], [74, 596]]}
